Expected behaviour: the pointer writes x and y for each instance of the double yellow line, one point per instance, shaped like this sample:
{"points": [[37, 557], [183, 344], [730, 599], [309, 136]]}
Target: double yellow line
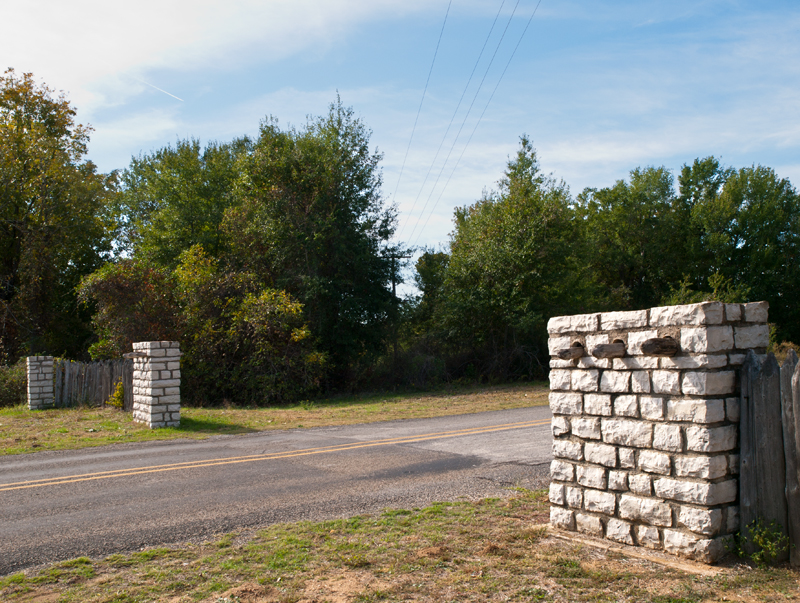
{"points": [[84, 477]]}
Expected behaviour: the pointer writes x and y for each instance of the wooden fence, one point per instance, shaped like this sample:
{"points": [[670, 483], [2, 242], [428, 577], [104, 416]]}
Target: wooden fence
{"points": [[91, 383], [769, 487]]}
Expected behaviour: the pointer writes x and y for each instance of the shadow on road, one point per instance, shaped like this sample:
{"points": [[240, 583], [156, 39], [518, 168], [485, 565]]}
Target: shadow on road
{"points": [[211, 426]]}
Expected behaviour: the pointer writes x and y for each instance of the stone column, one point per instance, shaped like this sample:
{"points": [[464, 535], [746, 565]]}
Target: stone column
{"points": [[156, 383], [40, 382]]}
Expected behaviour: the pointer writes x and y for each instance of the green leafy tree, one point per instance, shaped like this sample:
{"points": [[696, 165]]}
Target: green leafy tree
{"points": [[52, 220], [311, 222]]}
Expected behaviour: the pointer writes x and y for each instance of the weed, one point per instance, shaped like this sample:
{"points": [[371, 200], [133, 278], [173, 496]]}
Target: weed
{"points": [[763, 543]]}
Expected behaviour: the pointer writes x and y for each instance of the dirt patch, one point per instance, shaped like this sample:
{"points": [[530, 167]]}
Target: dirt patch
{"points": [[342, 588], [249, 592], [432, 552]]}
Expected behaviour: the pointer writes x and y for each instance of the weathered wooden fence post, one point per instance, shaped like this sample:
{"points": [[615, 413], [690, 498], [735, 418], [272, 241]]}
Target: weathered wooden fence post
{"points": [[763, 469], [790, 407]]}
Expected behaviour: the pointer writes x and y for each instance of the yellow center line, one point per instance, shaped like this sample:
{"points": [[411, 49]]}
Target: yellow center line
{"points": [[264, 457]]}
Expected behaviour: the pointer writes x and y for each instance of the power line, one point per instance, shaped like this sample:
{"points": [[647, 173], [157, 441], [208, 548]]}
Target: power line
{"points": [[466, 116], [452, 119], [524, 31], [416, 119]]}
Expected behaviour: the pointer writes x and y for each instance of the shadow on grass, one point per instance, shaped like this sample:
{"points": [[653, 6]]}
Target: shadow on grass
{"points": [[211, 426]]}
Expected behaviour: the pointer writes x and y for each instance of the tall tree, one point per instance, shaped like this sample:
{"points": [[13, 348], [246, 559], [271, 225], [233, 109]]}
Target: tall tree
{"points": [[52, 227]]}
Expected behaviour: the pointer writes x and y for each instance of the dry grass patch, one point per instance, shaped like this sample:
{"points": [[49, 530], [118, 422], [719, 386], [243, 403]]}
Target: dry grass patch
{"points": [[24, 431], [490, 550]]}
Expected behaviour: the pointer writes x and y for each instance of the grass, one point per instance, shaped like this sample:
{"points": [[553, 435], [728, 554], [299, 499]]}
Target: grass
{"points": [[23, 431], [491, 550]]}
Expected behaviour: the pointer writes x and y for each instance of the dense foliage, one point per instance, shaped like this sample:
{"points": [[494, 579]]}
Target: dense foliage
{"points": [[271, 261]]}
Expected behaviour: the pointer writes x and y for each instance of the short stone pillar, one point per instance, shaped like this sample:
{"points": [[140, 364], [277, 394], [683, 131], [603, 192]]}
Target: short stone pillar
{"points": [[156, 383], [40, 382], [646, 441]]}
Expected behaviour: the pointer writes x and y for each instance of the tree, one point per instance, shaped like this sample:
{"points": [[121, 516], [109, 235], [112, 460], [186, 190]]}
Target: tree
{"points": [[311, 222], [52, 220], [176, 197]]}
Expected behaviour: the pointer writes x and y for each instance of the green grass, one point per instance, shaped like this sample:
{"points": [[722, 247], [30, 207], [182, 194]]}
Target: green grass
{"points": [[23, 431]]}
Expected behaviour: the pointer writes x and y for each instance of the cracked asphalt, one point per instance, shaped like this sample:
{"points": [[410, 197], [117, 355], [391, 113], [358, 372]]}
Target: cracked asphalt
{"points": [[98, 501]]}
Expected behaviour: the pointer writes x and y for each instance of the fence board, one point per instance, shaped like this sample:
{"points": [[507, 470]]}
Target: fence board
{"points": [[763, 469], [791, 446], [92, 383]]}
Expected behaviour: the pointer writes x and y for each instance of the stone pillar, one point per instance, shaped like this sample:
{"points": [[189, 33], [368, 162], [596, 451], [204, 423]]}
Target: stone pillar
{"points": [[646, 448], [156, 383], [40, 382]]}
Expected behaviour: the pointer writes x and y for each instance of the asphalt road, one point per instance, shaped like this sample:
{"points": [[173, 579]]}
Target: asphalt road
{"points": [[98, 501]]}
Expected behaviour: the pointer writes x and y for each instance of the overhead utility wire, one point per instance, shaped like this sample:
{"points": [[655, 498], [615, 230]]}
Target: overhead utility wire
{"points": [[416, 119], [480, 118], [452, 119], [466, 116]]}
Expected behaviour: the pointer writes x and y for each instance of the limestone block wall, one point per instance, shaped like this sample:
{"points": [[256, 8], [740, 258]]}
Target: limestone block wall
{"points": [[157, 383], [40, 382], [646, 448]]}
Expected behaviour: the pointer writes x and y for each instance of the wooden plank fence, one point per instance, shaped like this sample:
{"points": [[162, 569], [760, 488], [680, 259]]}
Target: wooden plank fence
{"points": [[91, 383], [769, 486]]}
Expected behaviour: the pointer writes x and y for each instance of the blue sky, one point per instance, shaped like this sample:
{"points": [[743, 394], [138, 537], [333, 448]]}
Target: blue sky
{"points": [[600, 87]]}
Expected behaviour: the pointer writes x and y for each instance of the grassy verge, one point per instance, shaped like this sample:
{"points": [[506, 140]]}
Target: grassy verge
{"points": [[423, 555], [24, 431]]}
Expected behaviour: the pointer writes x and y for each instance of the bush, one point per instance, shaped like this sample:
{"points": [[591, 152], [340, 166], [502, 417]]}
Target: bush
{"points": [[13, 383]]}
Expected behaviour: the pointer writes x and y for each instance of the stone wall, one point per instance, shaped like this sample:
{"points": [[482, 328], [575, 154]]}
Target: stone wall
{"points": [[645, 447], [156, 383], [40, 382]]}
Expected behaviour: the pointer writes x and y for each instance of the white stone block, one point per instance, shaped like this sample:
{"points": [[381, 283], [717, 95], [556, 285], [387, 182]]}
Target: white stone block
{"points": [[698, 493], [711, 439], [701, 521], [667, 437], [654, 462], [566, 449], [627, 458], [566, 404], [558, 363], [585, 380], [636, 339], [732, 409], [172, 391], [174, 408], [695, 362], [591, 362], [599, 502], [157, 353], [736, 359], [560, 426], [693, 547], [706, 313], [615, 382], [617, 480], [706, 339], [640, 382], [648, 510], [708, 384], [635, 362], [591, 477], [176, 374], [601, 454], [619, 531], [640, 483], [696, 411], [648, 536], [592, 341], [703, 467], [173, 353], [165, 383], [756, 311], [756, 336], [173, 365], [589, 524], [169, 399], [557, 494], [732, 523], [562, 471], [733, 312], [666, 382], [559, 379], [561, 518], [612, 321], [625, 432], [556, 344], [651, 408], [574, 497], [626, 406], [597, 404], [586, 428], [581, 323]]}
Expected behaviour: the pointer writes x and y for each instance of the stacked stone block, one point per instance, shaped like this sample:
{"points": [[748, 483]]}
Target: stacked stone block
{"points": [[645, 448], [157, 383], [40, 382]]}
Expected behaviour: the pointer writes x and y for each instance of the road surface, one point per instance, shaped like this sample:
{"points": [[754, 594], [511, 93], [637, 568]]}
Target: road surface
{"points": [[98, 501]]}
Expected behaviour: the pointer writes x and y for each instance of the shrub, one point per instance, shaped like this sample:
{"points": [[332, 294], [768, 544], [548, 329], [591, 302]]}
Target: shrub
{"points": [[13, 384]]}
